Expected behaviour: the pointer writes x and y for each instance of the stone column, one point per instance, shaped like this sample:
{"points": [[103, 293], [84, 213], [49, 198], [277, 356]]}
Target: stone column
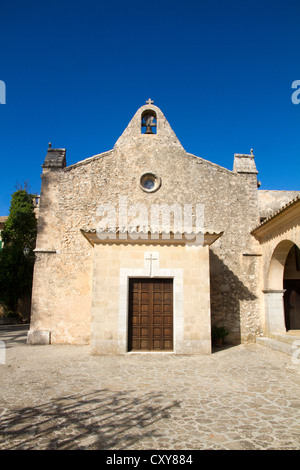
{"points": [[274, 311]]}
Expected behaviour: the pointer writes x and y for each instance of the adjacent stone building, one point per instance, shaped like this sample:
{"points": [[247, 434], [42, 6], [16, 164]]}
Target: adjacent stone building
{"points": [[146, 246]]}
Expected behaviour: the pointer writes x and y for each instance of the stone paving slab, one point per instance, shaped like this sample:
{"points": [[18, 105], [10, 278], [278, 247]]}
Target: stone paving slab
{"points": [[60, 397]]}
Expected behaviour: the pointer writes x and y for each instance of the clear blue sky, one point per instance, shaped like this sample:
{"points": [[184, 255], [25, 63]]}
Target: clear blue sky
{"points": [[221, 71]]}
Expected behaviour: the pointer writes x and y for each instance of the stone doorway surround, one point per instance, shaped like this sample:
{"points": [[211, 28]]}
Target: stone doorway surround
{"points": [[157, 273], [117, 261]]}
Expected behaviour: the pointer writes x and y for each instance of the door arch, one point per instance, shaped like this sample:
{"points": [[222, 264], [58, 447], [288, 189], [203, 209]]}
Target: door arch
{"points": [[276, 301], [277, 265]]}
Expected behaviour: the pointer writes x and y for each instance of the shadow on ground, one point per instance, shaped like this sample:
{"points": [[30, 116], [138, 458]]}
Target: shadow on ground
{"points": [[14, 335], [99, 420]]}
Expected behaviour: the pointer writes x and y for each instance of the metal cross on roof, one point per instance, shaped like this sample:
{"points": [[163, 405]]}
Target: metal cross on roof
{"points": [[149, 101]]}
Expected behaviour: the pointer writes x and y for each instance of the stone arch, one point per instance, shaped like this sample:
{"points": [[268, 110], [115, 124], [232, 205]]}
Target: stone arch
{"points": [[274, 293], [277, 264]]}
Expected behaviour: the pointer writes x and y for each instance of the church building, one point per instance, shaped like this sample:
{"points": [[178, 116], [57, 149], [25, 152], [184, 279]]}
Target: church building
{"points": [[146, 248]]}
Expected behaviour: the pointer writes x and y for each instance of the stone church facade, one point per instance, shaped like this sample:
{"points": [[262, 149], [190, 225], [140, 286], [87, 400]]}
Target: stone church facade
{"points": [[146, 247]]}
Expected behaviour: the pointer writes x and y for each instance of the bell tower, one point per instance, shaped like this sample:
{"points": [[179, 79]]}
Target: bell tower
{"points": [[149, 119], [148, 127]]}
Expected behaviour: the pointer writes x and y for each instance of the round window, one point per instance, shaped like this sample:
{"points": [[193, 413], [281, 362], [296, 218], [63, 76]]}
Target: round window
{"points": [[150, 182]]}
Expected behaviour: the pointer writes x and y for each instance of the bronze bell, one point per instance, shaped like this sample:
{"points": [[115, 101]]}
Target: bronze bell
{"points": [[149, 123], [149, 130]]}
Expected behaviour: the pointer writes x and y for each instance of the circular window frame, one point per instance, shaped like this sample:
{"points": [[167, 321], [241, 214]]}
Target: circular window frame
{"points": [[150, 176]]}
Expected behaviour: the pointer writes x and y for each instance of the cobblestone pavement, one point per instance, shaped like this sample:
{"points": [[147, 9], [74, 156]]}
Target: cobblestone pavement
{"points": [[61, 397]]}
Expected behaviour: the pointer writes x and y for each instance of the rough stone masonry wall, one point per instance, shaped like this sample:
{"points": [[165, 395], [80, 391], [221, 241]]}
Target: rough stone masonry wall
{"points": [[62, 284], [229, 204], [236, 266], [69, 200]]}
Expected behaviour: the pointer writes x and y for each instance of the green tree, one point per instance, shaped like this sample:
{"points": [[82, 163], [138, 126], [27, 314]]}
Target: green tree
{"points": [[16, 269]]}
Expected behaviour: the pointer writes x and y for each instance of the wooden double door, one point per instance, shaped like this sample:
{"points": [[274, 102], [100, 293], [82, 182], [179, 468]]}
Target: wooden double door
{"points": [[150, 315]]}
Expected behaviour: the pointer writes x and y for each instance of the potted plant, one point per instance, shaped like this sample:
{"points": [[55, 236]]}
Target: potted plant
{"points": [[218, 334]]}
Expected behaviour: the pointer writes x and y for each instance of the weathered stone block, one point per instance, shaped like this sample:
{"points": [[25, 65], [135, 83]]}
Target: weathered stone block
{"points": [[39, 337]]}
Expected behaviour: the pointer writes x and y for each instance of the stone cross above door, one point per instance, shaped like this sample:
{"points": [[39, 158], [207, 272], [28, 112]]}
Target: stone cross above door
{"points": [[151, 260]]}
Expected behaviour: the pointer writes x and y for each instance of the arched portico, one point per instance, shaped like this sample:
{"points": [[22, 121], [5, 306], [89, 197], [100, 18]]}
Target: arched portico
{"points": [[277, 265], [277, 236], [275, 321]]}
